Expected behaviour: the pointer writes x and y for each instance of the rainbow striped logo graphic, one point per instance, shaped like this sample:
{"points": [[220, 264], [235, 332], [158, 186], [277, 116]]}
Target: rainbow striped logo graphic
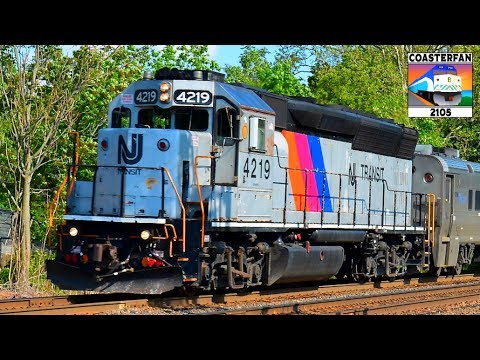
{"points": [[307, 173]]}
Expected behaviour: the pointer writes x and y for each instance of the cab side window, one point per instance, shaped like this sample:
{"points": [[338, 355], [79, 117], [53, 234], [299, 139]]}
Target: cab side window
{"points": [[121, 117], [225, 126], [257, 134]]}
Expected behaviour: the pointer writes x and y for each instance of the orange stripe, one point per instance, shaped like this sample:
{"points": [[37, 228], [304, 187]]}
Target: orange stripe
{"points": [[296, 178]]}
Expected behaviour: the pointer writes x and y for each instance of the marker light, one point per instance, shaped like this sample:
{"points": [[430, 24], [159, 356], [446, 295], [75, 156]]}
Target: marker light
{"points": [[73, 231], [104, 144], [145, 235], [163, 145], [428, 178]]}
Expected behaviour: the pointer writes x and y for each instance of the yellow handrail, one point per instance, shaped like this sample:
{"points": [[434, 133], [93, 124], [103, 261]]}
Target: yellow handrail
{"points": [[76, 160], [184, 221], [202, 231], [165, 227], [431, 200], [51, 209]]}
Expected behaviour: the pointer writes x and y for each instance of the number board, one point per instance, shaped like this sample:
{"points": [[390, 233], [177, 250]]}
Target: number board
{"points": [[255, 171], [192, 97], [147, 96]]}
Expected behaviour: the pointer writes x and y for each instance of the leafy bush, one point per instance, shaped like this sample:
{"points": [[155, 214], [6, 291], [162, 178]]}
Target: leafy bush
{"points": [[4, 274]]}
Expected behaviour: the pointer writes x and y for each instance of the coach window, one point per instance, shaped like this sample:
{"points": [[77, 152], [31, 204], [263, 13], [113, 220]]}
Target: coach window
{"points": [[191, 119], [470, 199], [477, 200], [225, 127], [257, 134], [155, 117], [121, 117]]}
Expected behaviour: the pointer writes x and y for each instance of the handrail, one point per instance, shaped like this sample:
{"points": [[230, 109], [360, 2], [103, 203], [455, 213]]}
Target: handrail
{"points": [[76, 158], [165, 227], [73, 170], [385, 188], [367, 201], [184, 221], [51, 208], [431, 200], [202, 209]]}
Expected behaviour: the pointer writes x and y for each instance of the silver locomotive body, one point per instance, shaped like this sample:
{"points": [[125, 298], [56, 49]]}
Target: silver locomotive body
{"points": [[210, 185]]}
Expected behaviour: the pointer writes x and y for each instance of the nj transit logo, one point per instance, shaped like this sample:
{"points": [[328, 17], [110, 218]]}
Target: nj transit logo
{"points": [[133, 155]]}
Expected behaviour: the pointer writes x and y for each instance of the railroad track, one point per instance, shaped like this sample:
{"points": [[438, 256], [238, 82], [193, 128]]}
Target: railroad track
{"points": [[81, 305], [369, 305]]}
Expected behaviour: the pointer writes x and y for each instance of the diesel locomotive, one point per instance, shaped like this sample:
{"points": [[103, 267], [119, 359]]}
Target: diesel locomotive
{"points": [[201, 184]]}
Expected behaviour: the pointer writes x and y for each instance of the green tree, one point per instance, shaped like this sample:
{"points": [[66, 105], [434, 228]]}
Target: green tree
{"points": [[360, 77], [280, 76], [193, 57], [40, 87]]}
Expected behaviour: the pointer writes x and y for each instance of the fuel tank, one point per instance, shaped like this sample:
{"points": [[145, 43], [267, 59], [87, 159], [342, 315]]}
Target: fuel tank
{"points": [[294, 263]]}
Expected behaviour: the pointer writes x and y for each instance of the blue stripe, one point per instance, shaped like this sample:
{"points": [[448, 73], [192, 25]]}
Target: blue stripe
{"points": [[319, 165]]}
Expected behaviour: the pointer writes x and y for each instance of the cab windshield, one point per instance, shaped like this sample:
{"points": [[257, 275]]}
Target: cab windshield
{"points": [[154, 117], [191, 119]]}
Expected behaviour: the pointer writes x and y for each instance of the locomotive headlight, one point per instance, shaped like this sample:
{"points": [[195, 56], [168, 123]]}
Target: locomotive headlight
{"points": [[73, 231], [145, 235], [165, 88], [164, 97], [428, 178], [163, 145]]}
